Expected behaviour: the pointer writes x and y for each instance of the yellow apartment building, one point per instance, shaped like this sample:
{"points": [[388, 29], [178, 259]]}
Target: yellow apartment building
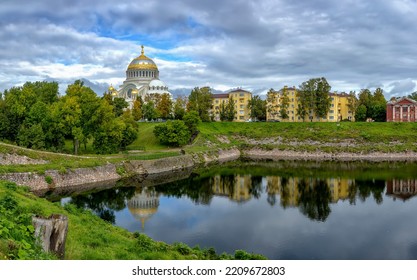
{"points": [[241, 99], [339, 107]]}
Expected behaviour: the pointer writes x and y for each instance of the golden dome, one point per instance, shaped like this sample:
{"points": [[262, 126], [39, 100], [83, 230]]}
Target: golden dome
{"points": [[142, 62]]}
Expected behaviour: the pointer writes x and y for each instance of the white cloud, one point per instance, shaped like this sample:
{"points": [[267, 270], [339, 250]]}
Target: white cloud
{"points": [[254, 44]]}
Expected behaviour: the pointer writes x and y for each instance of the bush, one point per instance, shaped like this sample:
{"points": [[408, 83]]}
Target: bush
{"points": [[191, 120], [173, 133]]}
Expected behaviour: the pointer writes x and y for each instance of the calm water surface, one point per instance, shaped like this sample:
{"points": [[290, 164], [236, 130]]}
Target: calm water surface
{"points": [[282, 210]]}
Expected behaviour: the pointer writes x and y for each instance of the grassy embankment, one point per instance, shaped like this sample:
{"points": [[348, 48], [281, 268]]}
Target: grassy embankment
{"points": [[89, 237], [311, 137]]}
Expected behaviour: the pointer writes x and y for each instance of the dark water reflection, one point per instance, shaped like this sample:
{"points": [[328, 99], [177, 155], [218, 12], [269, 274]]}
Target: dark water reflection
{"points": [[284, 215]]}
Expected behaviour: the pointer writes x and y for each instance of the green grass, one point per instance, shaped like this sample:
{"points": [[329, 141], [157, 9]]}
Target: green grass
{"points": [[146, 140], [89, 237], [311, 137]]}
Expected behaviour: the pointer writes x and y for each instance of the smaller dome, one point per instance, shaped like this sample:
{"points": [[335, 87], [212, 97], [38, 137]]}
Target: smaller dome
{"points": [[157, 83]]}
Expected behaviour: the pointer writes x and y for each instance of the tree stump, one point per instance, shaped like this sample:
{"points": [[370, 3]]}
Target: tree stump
{"points": [[52, 233]]}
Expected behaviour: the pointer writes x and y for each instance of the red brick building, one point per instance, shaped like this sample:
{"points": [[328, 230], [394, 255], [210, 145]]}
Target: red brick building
{"points": [[402, 110]]}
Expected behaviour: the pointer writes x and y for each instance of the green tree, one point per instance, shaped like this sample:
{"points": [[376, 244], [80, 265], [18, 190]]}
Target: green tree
{"points": [[272, 101], [130, 131], [378, 106], [413, 95], [31, 136], [257, 108], [172, 133], [180, 106], [360, 114], [352, 102], [200, 100], [230, 110], [164, 106], [119, 104], [148, 111], [314, 98], [137, 109], [191, 120], [284, 104]]}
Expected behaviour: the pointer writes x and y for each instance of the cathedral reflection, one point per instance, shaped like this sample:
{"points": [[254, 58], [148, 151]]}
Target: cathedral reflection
{"points": [[143, 205]]}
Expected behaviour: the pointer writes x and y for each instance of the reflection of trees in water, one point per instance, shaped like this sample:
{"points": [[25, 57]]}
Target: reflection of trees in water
{"points": [[314, 198], [363, 189], [256, 187], [105, 202], [197, 189]]}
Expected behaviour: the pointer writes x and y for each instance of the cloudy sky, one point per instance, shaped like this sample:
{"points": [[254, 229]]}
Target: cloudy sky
{"points": [[224, 44]]}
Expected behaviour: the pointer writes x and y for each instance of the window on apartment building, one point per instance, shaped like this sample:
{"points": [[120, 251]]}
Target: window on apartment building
{"points": [[331, 117], [332, 105], [242, 94], [292, 99], [241, 118], [242, 106], [331, 111], [241, 112]]}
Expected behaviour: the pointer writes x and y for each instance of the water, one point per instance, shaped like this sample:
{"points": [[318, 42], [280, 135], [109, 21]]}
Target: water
{"points": [[284, 210]]}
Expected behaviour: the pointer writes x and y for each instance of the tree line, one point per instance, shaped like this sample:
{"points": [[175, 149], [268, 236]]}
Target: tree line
{"points": [[35, 116]]}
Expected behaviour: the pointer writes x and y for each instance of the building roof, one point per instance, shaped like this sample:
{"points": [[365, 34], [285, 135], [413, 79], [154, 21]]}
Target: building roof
{"points": [[404, 98], [220, 95], [239, 90]]}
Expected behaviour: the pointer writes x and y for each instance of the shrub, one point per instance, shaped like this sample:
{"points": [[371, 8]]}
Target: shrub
{"points": [[173, 133]]}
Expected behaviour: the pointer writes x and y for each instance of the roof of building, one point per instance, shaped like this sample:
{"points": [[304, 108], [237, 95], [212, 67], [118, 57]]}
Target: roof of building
{"points": [[239, 90], [399, 99], [220, 95]]}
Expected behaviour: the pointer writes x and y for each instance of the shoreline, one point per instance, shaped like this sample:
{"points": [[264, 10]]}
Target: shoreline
{"points": [[151, 172]]}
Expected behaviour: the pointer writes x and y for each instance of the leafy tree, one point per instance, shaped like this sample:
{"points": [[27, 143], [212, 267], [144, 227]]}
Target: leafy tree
{"points": [[379, 106], [137, 109], [413, 96], [172, 133], [180, 106], [352, 102], [130, 131], [257, 108], [148, 111], [119, 104], [314, 98], [360, 114], [200, 100], [31, 136], [272, 98], [284, 104], [227, 110], [375, 105], [164, 106], [191, 120]]}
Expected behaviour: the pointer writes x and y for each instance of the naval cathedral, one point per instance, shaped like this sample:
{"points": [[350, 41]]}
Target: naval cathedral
{"points": [[142, 79]]}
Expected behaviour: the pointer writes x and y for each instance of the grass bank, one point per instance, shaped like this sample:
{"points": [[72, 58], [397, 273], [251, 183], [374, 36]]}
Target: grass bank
{"points": [[326, 137], [89, 237], [357, 138]]}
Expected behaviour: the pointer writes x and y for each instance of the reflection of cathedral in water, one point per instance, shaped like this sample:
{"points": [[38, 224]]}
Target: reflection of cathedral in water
{"points": [[143, 205], [402, 188]]}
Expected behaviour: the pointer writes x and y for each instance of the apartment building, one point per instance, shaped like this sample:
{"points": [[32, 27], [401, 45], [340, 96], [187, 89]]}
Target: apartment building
{"points": [[240, 98], [339, 107]]}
